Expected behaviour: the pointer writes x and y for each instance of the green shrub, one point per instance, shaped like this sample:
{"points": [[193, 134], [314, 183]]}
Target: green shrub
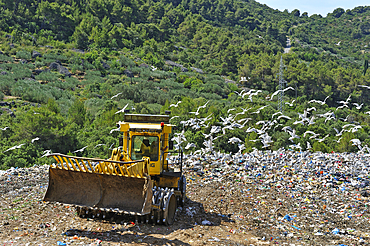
{"points": [[22, 54]]}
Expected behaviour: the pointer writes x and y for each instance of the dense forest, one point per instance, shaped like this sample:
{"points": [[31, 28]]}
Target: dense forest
{"points": [[67, 67]]}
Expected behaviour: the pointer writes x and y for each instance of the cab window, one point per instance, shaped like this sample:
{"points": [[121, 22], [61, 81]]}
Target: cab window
{"points": [[144, 146]]}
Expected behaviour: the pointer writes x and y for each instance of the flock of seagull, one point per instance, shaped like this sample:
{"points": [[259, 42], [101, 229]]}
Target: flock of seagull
{"points": [[237, 119]]}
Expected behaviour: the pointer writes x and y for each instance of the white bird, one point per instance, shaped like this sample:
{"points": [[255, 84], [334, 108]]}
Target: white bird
{"points": [[240, 93], [176, 104], [215, 129], [234, 140], [346, 102], [114, 130], [14, 147], [358, 106], [364, 86], [308, 145], [35, 112], [338, 43], [319, 102], [122, 110], [116, 95], [228, 111], [244, 79], [46, 153], [314, 135], [312, 108], [35, 139], [293, 135], [274, 114], [355, 141], [278, 91], [190, 145], [7, 127], [287, 128], [290, 104], [342, 106], [339, 133], [176, 116], [98, 145], [322, 139], [259, 110], [80, 150], [284, 117]]}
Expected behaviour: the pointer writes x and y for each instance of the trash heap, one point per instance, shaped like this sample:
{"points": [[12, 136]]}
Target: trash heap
{"points": [[282, 197]]}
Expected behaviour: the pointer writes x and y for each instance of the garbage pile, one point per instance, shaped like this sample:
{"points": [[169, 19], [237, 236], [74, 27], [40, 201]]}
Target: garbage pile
{"points": [[283, 197]]}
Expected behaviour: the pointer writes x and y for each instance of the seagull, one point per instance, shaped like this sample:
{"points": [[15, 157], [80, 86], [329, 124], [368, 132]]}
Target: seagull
{"points": [[190, 145], [14, 147], [364, 86], [342, 106], [215, 129], [80, 150], [358, 106], [98, 145], [284, 116], [314, 135], [274, 114], [240, 93], [7, 127], [278, 91], [346, 102], [309, 109], [355, 141], [114, 130], [35, 139], [175, 105], [259, 110], [338, 133], [290, 104], [46, 153], [244, 79], [234, 140], [228, 111], [293, 135], [322, 139], [122, 110], [176, 116], [116, 95], [319, 102]]}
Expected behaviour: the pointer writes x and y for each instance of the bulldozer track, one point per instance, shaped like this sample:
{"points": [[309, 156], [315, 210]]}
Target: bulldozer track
{"points": [[163, 210]]}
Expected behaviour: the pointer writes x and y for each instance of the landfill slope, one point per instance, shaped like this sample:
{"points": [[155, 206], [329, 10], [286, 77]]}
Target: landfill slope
{"points": [[259, 199]]}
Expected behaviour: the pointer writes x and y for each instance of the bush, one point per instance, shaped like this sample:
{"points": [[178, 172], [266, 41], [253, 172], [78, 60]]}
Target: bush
{"points": [[22, 54]]}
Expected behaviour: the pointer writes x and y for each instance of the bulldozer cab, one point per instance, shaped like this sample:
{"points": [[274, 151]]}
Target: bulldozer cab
{"points": [[147, 136]]}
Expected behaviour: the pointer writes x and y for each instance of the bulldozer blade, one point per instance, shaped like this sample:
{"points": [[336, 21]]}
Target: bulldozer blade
{"points": [[119, 193]]}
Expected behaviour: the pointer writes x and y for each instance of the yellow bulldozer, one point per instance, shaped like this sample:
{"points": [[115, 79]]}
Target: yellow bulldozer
{"points": [[137, 180]]}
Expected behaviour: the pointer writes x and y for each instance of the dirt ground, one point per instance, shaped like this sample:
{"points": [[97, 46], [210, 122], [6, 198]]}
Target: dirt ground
{"points": [[228, 211]]}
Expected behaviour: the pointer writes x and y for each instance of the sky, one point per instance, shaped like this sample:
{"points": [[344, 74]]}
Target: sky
{"points": [[322, 7]]}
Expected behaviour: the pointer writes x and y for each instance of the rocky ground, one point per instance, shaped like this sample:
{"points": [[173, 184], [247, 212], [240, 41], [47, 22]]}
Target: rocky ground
{"points": [[229, 203]]}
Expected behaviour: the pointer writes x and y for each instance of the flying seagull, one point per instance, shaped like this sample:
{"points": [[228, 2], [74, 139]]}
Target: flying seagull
{"points": [[116, 95], [80, 150], [14, 147], [122, 110]]}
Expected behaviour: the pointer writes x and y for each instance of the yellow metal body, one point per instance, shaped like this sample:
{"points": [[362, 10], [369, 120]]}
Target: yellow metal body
{"points": [[124, 182]]}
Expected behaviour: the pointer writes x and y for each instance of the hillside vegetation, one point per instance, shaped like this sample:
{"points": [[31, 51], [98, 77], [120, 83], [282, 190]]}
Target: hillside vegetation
{"points": [[62, 62]]}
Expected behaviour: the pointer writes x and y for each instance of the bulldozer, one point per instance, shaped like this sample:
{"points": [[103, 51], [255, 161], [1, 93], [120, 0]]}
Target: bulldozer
{"points": [[137, 180]]}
